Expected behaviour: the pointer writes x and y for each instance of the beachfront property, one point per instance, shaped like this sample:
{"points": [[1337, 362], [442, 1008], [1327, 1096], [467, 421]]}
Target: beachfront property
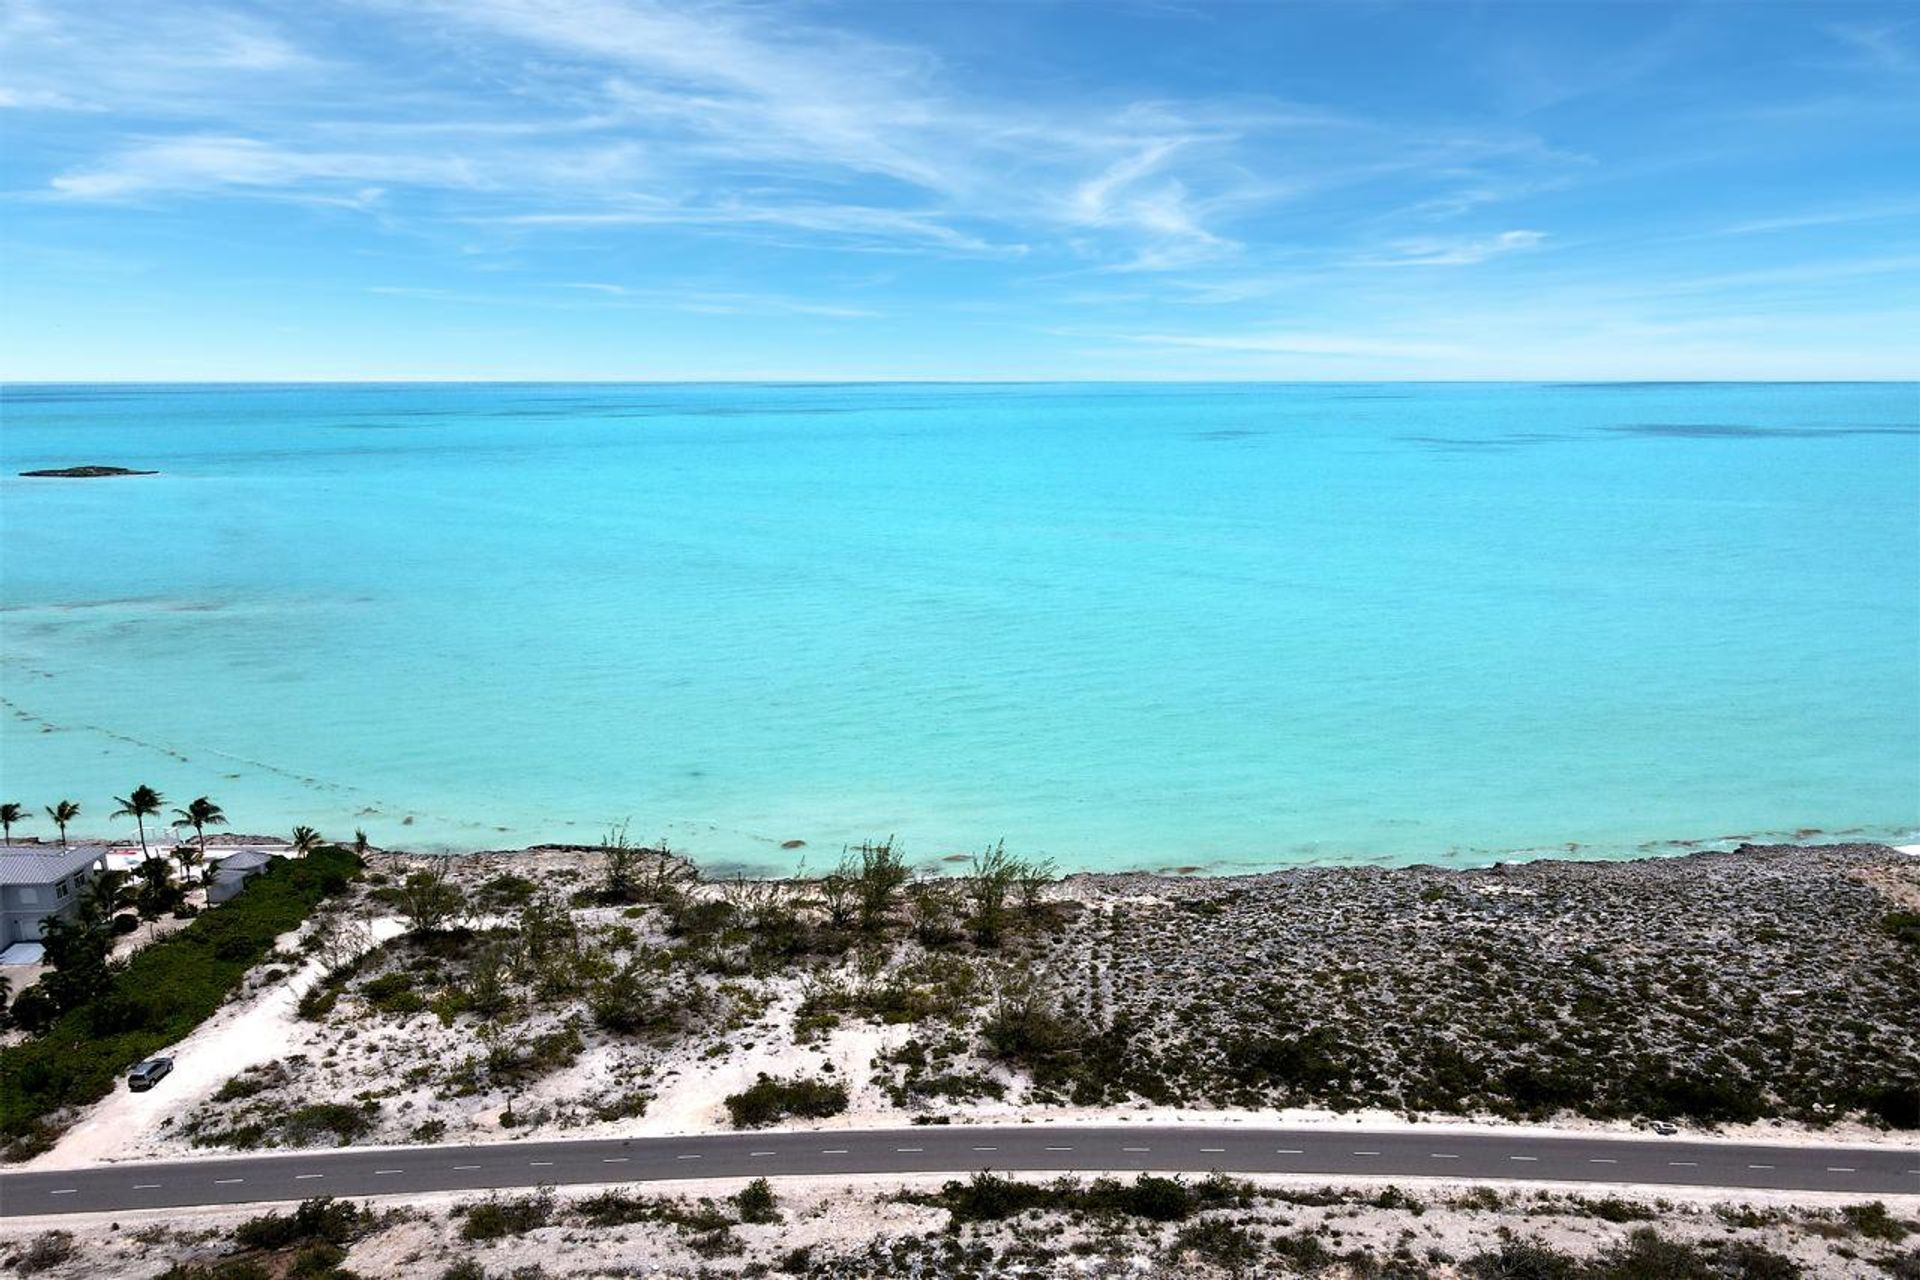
{"points": [[39, 882], [231, 873]]}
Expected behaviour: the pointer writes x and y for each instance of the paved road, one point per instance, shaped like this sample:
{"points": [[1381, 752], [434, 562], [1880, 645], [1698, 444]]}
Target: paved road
{"points": [[957, 1149]]}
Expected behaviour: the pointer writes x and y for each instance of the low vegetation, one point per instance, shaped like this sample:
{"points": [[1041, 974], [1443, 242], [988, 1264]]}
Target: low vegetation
{"points": [[121, 1013]]}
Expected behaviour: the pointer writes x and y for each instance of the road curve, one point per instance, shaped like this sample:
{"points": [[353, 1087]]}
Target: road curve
{"points": [[958, 1149]]}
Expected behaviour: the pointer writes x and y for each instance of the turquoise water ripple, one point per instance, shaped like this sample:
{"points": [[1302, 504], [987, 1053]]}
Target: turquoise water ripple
{"points": [[1121, 625]]}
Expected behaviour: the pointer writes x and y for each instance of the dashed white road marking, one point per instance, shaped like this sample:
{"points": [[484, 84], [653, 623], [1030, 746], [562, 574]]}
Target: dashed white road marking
{"points": [[146, 1186], [66, 1191], [1213, 1151], [613, 1160], [762, 1153], [1759, 1166], [986, 1148], [1441, 1155], [1366, 1153], [910, 1150], [1288, 1151], [1534, 1159], [1136, 1148], [1839, 1168], [840, 1151], [1682, 1164], [538, 1163], [461, 1168], [686, 1157], [302, 1177], [1059, 1148], [226, 1182], [1602, 1160], [378, 1172]]}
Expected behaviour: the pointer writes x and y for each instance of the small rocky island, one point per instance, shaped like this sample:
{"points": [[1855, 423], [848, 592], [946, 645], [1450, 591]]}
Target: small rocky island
{"points": [[85, 473]]}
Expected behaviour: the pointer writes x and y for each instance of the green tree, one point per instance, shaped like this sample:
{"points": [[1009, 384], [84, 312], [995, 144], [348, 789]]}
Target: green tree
{"points": [[143, 803], [188, 857], [63, 813], [883, 871], [994, 873], [305, 841], [78, 949], [10, 813], [427, 900], [155, 894], [199, 814]]}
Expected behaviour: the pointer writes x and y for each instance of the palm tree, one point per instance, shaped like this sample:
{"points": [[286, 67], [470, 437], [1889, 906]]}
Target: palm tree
{"points": [[188, 857], [305, 840], [10, 813], [63, 813], [200, 814], [144, 803]]}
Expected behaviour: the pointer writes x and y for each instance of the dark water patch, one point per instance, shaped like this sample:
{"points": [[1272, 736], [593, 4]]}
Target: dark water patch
{"points": [[1745, 431], [1662, 386], [1458, 444]]}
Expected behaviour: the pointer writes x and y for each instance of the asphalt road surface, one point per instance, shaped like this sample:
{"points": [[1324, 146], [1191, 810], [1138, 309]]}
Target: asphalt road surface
{"points": [[958, 1150]]}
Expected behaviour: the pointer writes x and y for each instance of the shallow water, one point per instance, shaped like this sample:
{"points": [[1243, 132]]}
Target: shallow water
{"points": [[1119, 625]]}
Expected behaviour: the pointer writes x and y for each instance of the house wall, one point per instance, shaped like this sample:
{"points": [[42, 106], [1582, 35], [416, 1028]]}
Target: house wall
{"points": [[25, 908]]}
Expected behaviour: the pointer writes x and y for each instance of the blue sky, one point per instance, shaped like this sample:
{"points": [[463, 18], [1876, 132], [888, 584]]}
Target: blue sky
{"points": [[624, 188]]}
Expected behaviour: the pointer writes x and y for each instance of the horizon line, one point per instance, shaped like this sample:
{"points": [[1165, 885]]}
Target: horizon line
{"points": [[939, 381]]}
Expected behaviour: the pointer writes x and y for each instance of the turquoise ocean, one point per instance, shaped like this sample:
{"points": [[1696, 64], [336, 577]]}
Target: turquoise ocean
{"points": [[1226, 626]]}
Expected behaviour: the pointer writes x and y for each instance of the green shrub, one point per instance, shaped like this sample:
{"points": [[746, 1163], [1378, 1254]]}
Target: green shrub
{"points": [[1220, 1243], [174, 983], [768, 1101], [1521, 1260], [320, 1219], [756, 1202], [341, 1121], [1874, 1222], [492, 1218], [45, 1251]]}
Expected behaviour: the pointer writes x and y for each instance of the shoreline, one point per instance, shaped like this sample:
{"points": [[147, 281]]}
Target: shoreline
{"points": [[954, 864]]}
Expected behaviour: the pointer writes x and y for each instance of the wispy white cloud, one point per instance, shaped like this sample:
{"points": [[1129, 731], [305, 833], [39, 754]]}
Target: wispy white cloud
{"points": [[1355, 346], [1882, 46], [1456, 251]]}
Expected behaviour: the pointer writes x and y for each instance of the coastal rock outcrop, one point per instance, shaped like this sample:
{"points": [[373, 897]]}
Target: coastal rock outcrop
{"points": [[85, 473]]}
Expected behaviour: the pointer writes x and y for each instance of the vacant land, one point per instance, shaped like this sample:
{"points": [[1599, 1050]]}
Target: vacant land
{"points": [[587, 992], [993, 1227]]}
